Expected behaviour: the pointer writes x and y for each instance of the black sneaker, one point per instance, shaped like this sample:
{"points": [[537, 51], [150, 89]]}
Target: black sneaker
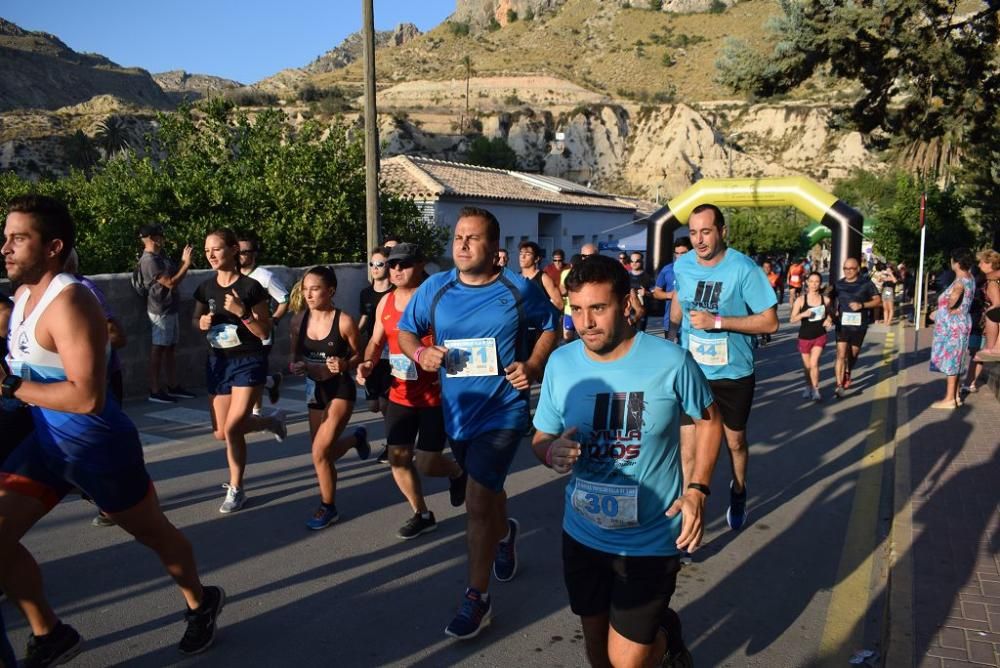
{"points": [[201, 622], [274, 392], [417, 525], [52, 649], [456, 489], [179, 392], [681, 659], [161, 397], [383, 457], [736, 515]]}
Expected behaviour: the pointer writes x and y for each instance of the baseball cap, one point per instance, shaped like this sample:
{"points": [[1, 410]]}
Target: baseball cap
{"points": [[405, 252], [151, 229]]}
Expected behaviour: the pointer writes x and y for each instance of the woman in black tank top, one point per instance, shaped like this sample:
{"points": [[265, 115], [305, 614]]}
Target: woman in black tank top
{"points": [[326, 349], [813, 313]]}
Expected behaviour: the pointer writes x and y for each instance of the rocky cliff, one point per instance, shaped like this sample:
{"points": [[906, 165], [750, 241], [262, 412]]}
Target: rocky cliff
{"points": [[352, 48], [181, 85]]}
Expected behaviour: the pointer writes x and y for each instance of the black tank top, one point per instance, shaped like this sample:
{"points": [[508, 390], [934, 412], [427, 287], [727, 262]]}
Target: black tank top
{"points": [[332, 345], [537, 278], [812, 329]]}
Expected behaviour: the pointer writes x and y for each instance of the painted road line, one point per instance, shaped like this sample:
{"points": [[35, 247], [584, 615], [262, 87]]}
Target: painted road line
{"points": [[852, 593], [899, 650]]}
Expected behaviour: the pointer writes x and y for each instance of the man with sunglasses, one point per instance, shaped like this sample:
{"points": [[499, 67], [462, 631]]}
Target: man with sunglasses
{"points": [[377, 383], [249, 252], [853, 296], [554, 268], [641, 284]]}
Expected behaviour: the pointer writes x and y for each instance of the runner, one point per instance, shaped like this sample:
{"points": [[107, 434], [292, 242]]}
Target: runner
{"points": [[723, 301], [626, 515], [796, 277], [666, 283], [528, 256], [83, 439], [853, 297], [479, 315], [324, 349], [813, 313], [233, 312], [249, 253], [377, 383], [554, 269], [642, 285], [414, 399]]}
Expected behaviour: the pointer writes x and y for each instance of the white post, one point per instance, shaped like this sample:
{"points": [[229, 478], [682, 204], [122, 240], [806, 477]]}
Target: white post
{"points": [[920, 296]]}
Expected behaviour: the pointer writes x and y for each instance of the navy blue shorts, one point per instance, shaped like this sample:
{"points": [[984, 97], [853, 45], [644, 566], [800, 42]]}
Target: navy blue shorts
{"points": [[223, 373], [45, 474], [487, 457]]}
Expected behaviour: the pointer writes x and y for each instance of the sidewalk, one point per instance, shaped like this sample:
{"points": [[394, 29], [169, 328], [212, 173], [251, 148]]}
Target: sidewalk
{"points": [[945, 582]]}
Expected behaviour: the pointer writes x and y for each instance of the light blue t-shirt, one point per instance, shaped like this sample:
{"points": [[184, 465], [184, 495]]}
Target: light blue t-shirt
{"points": [[627, 415], [734, 287], [487, 326]]}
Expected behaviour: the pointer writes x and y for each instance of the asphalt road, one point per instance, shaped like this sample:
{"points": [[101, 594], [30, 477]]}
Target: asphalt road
{"points": [[355, 595]]}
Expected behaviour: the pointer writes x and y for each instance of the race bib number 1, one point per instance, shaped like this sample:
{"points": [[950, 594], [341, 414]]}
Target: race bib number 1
{"points": [[607, 506], [471, 357], [851, 319], [709, 352]]}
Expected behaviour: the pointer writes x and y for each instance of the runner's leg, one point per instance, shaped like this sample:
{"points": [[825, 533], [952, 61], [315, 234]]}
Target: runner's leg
{"points": [[327, 449], [840, 366], [807, 368], [814, 356], [739, 456], [625, 652], [20, 576], [437, 465], [403, 472], [487, 526], [595, 639]]}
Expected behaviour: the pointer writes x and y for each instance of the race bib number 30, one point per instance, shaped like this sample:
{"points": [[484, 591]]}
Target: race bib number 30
{"points": [[471, 357], [709, 352], [607, 506], [851, 319]]}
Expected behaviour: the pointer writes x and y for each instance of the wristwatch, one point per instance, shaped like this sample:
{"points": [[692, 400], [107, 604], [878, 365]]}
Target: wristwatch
{"points": [[9, 386], [704, 489]]}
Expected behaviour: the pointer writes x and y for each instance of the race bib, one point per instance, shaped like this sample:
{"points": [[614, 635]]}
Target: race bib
{"points": [[607, 506], [471, 357], [850, 319], [795, 280], [402, 367], [223, 336], [310, 391], [709, 352], [818, 313]]}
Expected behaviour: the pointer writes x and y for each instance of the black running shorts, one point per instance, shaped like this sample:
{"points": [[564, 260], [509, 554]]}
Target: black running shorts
{"points": [[852, 335], [406, 425], [633, 591], [734, 398]]}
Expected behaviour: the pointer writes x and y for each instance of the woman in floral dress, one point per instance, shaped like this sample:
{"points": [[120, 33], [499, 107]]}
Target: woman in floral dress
{"points": [[952, 325]]}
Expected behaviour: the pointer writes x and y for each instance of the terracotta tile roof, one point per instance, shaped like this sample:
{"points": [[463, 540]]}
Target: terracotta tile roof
{"points": [[424, 178]]}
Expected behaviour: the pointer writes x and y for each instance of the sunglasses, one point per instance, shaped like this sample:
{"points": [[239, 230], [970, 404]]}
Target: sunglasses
{"points": [[247, 252], [378, 264], [401, 264]]}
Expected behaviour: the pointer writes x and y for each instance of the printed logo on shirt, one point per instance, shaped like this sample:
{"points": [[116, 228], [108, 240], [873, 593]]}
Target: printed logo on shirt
{"points": [[22, 343], [707, 295], [617, 427]]}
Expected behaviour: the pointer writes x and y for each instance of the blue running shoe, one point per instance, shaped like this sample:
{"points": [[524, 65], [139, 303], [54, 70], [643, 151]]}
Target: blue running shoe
{"points": [[473, 616], [737, 514], [505, 561], [363, 447], [323, 517]]}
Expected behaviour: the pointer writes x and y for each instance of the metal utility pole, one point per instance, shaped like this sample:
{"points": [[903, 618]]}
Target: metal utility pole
{"points": [[374, 223]]}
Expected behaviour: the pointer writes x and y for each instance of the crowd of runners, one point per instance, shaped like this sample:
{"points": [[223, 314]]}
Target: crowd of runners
{"points": [[636, 421]]}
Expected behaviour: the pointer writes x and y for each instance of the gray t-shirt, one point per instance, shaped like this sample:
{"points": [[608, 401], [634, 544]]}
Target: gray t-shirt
{"points": [[161, 300]]}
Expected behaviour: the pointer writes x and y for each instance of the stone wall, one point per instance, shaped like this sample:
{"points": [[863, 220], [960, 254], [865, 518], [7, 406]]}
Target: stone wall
{"points": [[131, 312]]}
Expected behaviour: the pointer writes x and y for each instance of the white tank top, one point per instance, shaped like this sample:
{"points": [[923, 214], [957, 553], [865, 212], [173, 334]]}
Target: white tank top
{"points": [[27, 358]]}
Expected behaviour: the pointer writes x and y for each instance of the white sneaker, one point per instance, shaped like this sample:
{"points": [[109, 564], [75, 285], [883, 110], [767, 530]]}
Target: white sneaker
{"points": [[235, 498], [839, 392], [816, 395], [280, 428], [805, 393]]}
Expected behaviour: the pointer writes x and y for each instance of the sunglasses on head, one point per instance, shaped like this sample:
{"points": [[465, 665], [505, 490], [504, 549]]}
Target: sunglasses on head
{"points": [[401, 264], [378, 264]]}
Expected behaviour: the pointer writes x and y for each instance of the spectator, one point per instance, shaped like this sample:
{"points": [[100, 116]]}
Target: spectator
{"points": [[952, 325], [641, 284], [278, 305], [554, 269]]}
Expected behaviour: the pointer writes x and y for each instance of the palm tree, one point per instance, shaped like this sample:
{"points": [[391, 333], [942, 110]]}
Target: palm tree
{"points": [[79, 151], [113, 136]]}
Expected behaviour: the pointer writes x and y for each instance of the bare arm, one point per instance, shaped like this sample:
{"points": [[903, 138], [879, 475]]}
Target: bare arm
{"points": [[201, 318], [171, 282], [765, 322], [349, 332], [552, 291], [797, 312], [691, 504], [116, 334]]}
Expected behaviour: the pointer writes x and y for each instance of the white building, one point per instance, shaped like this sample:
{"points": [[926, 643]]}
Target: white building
{"points": [[552, 212]]}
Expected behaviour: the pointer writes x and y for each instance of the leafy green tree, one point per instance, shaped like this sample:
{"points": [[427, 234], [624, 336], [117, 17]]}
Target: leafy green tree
{"points": [[754, 231], [492, 153], [80, 151], [113, 136]]}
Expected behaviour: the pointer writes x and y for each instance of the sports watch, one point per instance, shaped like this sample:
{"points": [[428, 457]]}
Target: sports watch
{"points": [[9, 386]]}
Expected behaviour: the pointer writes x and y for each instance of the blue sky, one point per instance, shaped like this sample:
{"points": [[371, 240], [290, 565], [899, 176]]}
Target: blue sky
{"points": [[246, 40]]}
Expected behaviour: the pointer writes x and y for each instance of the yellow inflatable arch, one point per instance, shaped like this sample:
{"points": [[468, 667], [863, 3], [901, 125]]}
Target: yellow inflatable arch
{"points": [[798, 191]]}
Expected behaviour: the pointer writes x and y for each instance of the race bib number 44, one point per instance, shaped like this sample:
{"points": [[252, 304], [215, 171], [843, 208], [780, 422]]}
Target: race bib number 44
{"points": [[709, 352], [471, 357], [607, 506]]}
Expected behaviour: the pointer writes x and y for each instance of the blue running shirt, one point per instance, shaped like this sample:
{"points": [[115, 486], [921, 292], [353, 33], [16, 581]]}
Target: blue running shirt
{"points": [[490, 322], [627, 415], [734, 287]]}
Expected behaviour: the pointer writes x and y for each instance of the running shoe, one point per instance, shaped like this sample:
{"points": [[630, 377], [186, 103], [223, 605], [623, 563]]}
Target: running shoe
{"points": [[161, 397], [847, 379], [816, 396], [323, 517], [279, 428], [505, 561], [52, 649], [838, 392], [473, 616], [200, 632], [363, 447], [102, 520], [681, 659], [235, 498], [736, 515], [274, 392], [417, 525], [970, 389], [456, 489], [806, 393], [178, 392], [686, 559], [383, 457]]}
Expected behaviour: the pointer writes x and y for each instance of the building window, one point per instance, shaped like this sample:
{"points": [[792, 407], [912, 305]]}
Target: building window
{"points": [[577, 242], [508, 243]]}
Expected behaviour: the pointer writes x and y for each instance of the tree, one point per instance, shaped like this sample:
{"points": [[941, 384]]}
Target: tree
{"points": [[492, 153], [80, 151], [113, 136], [756, 231]]}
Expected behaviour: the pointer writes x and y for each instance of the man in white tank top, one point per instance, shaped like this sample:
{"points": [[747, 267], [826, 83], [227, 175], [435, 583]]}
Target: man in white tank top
{"points": [[82, 439]]}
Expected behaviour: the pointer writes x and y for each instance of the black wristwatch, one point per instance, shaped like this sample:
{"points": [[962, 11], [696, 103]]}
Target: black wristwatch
{"points": [[704, 489], [9, 386]]}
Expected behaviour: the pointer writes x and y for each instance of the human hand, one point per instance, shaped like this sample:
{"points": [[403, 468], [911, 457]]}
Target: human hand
{"points": [[563, 452], [364, 370], [702, 320], [520, 374], [432, 358], [691, 506], [205, 322], [336, 365], [297, 368], [233, 304], [186, 254], [856, 306]]}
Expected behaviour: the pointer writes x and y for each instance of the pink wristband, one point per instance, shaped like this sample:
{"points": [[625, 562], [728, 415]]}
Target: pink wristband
{"points": [[416, 353]]}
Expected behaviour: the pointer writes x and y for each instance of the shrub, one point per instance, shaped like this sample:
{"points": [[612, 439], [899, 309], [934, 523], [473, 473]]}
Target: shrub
{"points": [[511, 16], [656, 5], [458, 28]]}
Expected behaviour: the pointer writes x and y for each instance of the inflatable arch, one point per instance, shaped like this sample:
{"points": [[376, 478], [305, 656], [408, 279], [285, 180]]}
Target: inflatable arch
{"points": [[844, 222]]}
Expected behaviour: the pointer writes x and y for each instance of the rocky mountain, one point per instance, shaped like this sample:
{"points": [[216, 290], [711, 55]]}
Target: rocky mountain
{"points": [[352, 48], [181, 85], [39, 71]]}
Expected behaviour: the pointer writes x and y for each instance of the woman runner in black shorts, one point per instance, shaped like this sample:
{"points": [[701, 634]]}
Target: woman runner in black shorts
{"points": [[325, 348]]}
